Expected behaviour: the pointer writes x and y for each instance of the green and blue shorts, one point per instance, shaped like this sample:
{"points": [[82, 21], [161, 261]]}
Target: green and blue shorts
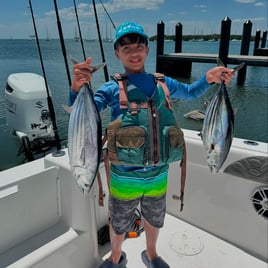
{"points": [[129, 188]]}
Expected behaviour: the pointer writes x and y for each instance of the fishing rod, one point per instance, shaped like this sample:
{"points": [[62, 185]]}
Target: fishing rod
{"points": [[80, 35], [108, 14], [49, 100], [63, 49], [106, 75], [79, 31]]}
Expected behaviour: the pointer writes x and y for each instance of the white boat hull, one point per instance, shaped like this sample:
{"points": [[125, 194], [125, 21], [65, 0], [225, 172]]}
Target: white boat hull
{"points": [[47, 222]]}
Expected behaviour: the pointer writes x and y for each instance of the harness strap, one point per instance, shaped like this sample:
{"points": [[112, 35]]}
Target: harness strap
{"points": [[124, 104], [122, 83], [183, 175], [123, 99], [161, 80]]}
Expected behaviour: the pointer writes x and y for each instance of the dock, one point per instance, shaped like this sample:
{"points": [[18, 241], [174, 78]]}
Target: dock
{"points": [[180, 64], [212, 58]]}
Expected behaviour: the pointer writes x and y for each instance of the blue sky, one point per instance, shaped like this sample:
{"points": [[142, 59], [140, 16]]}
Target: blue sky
{"points": [[196, 16]]}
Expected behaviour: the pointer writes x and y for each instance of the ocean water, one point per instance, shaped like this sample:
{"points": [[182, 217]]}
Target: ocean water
{"points": [[250, 100]]}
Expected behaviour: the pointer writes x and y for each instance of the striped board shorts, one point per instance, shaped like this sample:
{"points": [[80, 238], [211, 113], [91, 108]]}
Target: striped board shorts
{"points": [[128, 189]]}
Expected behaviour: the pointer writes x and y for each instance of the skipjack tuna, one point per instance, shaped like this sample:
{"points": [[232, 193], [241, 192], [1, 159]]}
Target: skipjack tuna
{"points": [[218, 127], [84, 139]]}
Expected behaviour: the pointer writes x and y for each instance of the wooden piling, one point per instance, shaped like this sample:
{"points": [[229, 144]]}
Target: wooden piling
{"points": [[263, 41], [160, 44], [184, 68], [179, 64], [257, 41], [178, 38], [172, 67], [244, 50], [224, 40], [260, 51]]}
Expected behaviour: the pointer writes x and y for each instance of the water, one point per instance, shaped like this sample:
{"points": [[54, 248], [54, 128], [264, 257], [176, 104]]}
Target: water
{"points": [[250, 100]]}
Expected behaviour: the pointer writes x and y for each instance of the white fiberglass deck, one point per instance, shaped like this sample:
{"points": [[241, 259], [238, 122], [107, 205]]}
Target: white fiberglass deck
{"points": [[182, 245]]}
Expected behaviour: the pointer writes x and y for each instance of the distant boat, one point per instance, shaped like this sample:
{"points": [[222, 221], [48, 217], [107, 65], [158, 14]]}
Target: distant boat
{"points": [[107, 39], [47, 36], [32, 37], [198, 40], [76, 37]]}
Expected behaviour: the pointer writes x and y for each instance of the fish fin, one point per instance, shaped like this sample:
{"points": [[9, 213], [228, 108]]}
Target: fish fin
{"points": [[238, 67], [74, 60], [220, 63], [67, 108], [83, 156], [235, 111]]}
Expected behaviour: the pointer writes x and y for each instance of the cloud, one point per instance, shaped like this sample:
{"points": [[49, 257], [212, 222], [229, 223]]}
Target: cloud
{"points": [[259, 4], [120, 5], [245, 1], [85, 10], [202, 8], [246, 19]]}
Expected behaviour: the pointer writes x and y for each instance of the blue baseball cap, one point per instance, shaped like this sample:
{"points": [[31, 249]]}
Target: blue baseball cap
{"points": [[129, 28]]}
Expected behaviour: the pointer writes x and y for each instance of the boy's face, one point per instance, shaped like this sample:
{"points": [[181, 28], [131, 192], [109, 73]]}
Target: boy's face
{"points": [[132, 56]]}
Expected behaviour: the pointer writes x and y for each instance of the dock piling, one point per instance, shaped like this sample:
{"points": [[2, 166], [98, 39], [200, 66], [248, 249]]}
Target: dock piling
{"points": [[257, 41], [224, 40], [179, 64], [178, 38], [244, 50], [263, 41], [160, 44], [260, 50]]}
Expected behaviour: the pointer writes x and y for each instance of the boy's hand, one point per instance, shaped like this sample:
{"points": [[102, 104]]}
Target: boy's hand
{"points": [[81, 74], [218, 74]]}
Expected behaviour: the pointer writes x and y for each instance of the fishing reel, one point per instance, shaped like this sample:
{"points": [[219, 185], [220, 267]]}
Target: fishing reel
{"points": [[137, 227]]}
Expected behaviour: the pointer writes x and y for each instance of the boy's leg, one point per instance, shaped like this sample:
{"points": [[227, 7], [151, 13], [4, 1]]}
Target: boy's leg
{"points": [[122, 215], [151, 233], [116, 244]]}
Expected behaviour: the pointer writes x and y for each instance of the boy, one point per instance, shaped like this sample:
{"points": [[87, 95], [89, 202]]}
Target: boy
{"points": [[131, 185]]}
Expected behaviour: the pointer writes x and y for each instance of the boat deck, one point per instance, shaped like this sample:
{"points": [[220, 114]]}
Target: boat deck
{"points": [[183, 245]]}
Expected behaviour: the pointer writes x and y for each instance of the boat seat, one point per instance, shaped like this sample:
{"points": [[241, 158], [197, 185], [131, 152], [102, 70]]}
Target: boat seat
{"points": [[30, 204]]}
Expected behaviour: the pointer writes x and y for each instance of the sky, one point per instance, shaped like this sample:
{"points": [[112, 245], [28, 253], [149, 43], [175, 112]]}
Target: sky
{"points": [[196, 16]]}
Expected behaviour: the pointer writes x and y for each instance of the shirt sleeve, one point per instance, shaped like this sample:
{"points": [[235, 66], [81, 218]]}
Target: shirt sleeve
{"points": [[187, 91], [101, 97], [72, 97]]}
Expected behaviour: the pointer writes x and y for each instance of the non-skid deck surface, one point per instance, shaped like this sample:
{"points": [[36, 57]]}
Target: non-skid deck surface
{"points": [[182, 245]]}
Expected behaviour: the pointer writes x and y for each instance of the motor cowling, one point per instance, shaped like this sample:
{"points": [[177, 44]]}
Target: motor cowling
{"points": [[26, 104]]}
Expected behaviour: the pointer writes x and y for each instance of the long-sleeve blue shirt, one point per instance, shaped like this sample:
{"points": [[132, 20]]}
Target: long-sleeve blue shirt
{"points": [[108, 94]]}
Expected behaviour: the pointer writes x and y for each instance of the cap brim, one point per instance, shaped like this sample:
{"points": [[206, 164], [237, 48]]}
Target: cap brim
{"points": [[132, 32]]}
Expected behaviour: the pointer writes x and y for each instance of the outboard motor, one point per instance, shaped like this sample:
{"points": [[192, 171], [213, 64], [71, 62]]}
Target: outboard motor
{"points": [[27, 110]]}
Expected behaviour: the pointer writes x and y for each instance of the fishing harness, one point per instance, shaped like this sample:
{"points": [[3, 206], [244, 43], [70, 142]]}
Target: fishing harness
{"points": [[126, 134]]}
